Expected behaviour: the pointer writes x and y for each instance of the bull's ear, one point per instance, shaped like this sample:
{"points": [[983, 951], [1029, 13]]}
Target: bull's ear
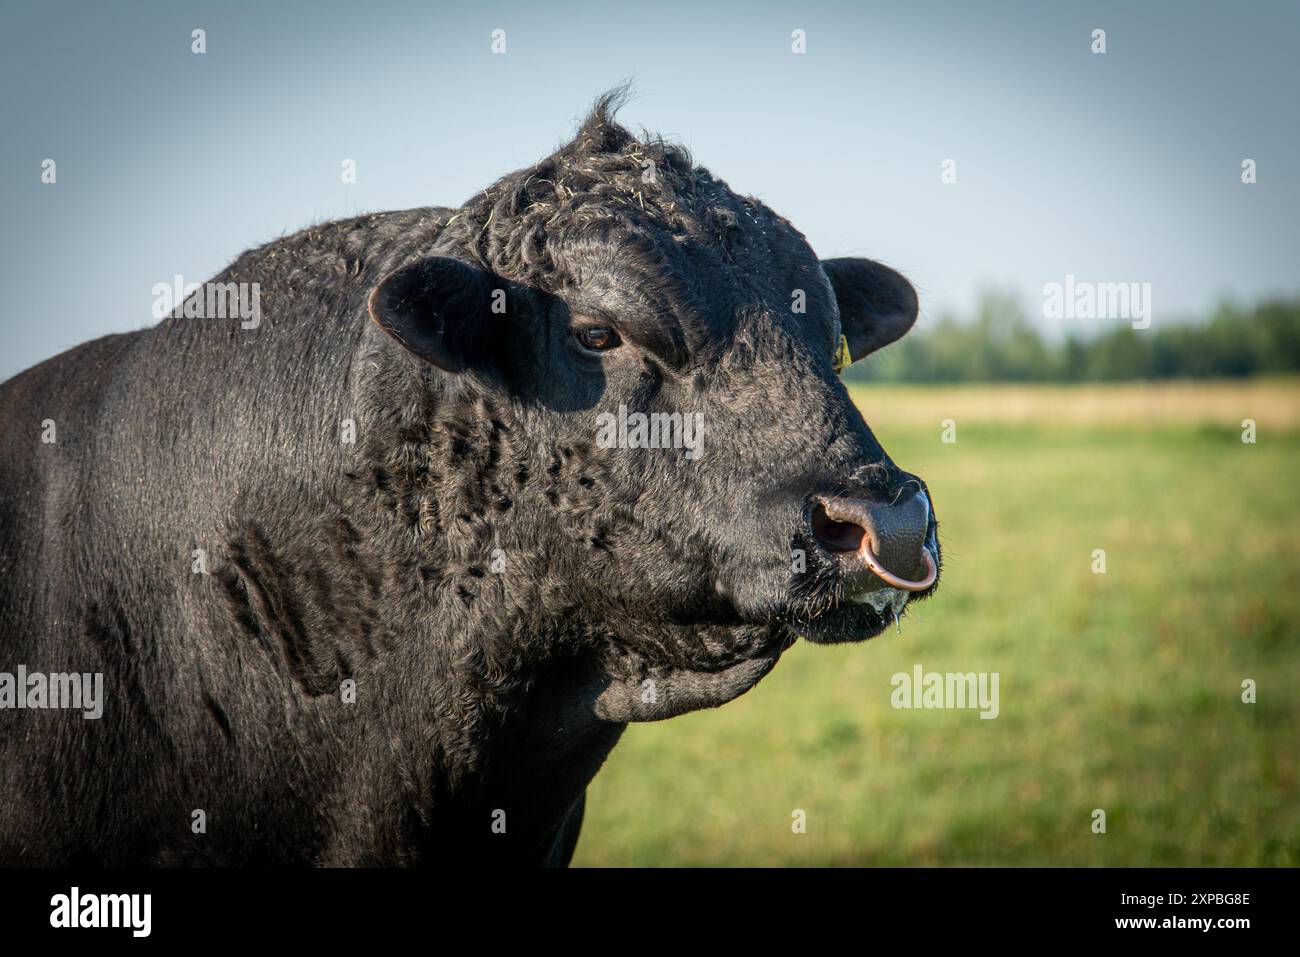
{"points": [[877, 305], [437, 308]]}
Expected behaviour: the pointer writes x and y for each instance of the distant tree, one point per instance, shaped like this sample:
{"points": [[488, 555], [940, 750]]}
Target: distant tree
{"points": [[1000, 344]]}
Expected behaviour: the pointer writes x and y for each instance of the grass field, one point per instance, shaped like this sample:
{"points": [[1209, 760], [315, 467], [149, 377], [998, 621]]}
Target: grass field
{"points": [[1120, 691]]}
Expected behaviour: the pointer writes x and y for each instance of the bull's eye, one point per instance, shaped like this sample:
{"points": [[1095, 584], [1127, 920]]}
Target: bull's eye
{"points": [[598, 338]]}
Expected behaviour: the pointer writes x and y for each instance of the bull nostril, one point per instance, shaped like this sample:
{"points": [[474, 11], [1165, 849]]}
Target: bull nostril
{"points": [[836, 536], [887, 542]]}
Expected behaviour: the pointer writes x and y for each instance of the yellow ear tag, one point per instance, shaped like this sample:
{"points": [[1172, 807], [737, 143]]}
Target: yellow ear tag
{"points": [[842, 360]]}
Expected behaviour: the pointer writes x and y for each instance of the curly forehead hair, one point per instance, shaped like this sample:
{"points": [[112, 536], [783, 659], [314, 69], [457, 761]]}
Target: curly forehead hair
{"points": [[604, 183]]}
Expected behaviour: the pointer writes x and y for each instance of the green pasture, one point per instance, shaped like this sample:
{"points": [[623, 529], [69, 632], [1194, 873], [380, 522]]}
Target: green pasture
{"points": [[1119, 691]]}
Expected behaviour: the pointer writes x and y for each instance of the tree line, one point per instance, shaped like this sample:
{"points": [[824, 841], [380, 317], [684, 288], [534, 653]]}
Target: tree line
{"points": [[1000, 344]]}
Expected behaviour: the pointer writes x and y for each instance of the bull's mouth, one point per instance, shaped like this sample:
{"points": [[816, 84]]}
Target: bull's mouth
{"points": [[850, 621], [830, 608]]}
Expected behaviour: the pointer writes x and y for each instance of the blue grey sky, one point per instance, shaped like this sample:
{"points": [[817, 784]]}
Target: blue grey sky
{"points": [[1122, 166]]}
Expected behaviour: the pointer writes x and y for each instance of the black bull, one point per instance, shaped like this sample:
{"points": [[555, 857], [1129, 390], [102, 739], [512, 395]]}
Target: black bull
{"points": [[361, 582]]}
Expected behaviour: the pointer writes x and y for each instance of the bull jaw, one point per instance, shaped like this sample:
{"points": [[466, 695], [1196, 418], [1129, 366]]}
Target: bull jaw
{"points": [[663, 692]]}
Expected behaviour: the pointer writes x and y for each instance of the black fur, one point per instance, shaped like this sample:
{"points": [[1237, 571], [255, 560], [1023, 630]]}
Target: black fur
{"points": [[637, 584]]}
